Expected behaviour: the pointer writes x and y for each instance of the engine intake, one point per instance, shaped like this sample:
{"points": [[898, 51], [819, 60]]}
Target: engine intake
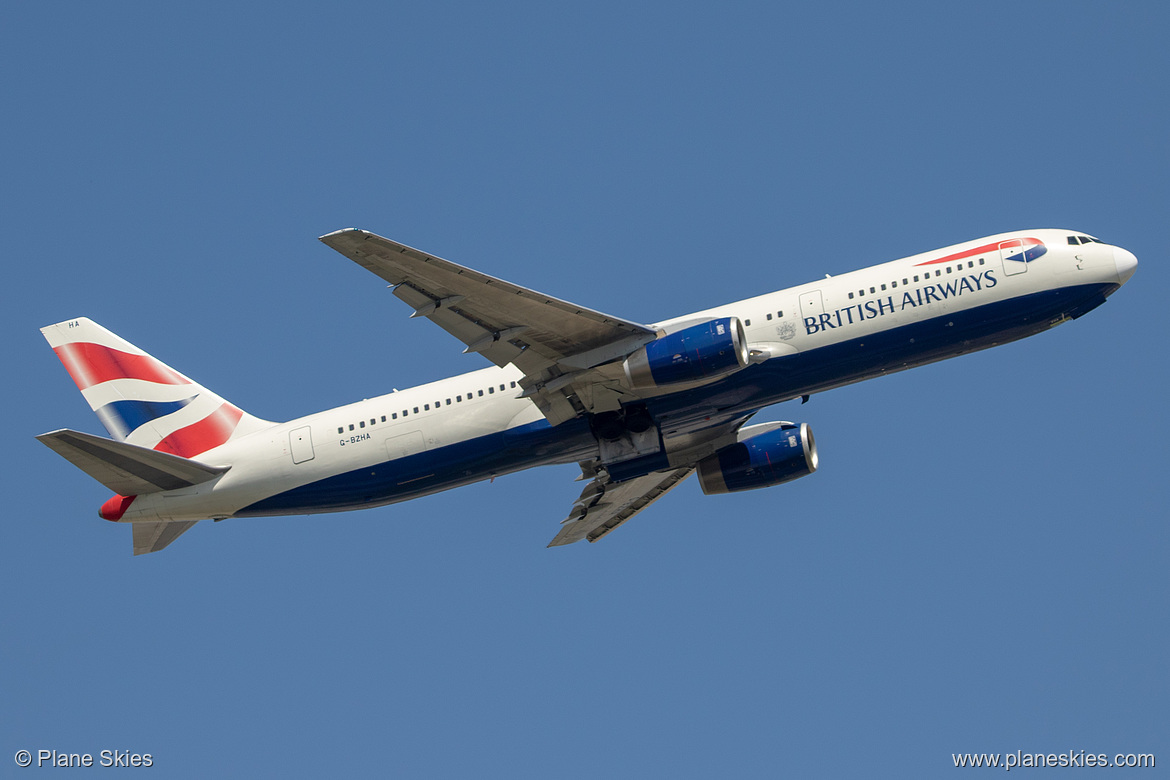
{"points": [[770, 458], [704, 351]]}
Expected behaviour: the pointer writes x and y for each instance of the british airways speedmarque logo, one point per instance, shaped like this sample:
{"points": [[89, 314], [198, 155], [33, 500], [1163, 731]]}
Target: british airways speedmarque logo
{"points": [[1017, 249]]}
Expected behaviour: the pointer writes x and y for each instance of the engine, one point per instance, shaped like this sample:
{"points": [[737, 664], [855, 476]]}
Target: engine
{"points": [[769, 458], [703, 351]]}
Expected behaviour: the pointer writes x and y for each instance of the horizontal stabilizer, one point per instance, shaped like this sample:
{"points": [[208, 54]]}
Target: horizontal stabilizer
{"points": [[152, 537], [127, 469]]}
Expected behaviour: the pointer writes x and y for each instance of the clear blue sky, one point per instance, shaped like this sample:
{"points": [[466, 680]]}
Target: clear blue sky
{"points": [[979, 565]]}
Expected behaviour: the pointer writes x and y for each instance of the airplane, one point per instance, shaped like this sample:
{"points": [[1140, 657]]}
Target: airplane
{"points": [[639, 407]]}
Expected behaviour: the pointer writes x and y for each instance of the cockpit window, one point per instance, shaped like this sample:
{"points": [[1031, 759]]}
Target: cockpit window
{"points": [[1074, 240]]}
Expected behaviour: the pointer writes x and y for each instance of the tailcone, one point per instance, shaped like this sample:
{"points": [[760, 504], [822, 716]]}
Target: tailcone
{"points": [[113, 509]]}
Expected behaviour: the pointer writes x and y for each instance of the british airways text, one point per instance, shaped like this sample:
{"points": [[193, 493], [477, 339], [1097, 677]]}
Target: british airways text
{"points": [[911, 299]]}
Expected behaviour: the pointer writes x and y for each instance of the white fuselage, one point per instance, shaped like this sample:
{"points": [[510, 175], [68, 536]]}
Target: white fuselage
{"points": [[804, 339]]}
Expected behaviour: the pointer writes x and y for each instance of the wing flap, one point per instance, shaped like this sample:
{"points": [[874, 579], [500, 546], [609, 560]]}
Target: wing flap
{"points": [[127, 469], [604, 505]]}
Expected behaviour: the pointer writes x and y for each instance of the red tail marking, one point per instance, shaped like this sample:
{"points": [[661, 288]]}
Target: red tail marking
{"points": [[212, 431], [92, 364]]}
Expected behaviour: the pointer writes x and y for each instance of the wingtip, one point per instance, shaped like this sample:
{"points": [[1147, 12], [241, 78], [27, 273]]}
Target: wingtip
{"points": [[339, 232]]}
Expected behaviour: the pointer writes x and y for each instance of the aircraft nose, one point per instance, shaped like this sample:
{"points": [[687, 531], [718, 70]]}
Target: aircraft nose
{"points": [[1126, 263]]}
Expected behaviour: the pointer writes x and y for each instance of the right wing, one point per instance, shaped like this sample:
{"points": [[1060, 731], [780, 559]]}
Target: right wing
{"points": [[605, 505]]}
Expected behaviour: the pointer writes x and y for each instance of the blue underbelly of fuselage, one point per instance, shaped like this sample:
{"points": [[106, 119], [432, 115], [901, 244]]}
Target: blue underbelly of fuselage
{"points": [[742, 393]]}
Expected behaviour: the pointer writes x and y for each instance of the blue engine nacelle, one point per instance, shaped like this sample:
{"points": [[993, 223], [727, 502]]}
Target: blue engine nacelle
{"points": [[770, 458], [704, 351]]}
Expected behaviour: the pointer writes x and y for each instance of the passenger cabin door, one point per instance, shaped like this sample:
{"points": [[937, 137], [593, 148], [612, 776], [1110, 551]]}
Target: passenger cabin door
{"points": [[300, 444], [811, 305], [1011, 253]]}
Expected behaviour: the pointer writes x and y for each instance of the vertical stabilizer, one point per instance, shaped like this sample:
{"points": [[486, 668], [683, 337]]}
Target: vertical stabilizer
{"points": [[140, 399]]}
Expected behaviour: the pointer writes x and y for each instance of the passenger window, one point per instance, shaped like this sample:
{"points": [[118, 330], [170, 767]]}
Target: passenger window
{"points": [[513, 384], [970, 263], [503, 388], [341, 430], [362, 424], [394, 415], [383, 418], [850, 296], [949, 269], [426, 407], [779, 314], [372, 422], [905, 282], [448, 402], [938, 273], [981, 261], [747, 323], [491, 390], [351, 426], [873, 289], [916, 278], [883, 288], [480, 393], [769, 315], [416, 410], [458, 399]]}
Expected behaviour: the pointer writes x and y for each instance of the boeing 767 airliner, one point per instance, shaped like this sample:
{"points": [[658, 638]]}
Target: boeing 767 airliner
{"points": [[638, 407]]}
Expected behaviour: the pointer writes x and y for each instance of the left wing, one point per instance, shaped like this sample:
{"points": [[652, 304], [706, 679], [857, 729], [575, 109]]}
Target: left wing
{"points": [[605, 505], [553, 342]]}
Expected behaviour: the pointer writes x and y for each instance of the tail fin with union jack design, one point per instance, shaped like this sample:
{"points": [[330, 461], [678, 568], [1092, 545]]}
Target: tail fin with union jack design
{"points": [[141, 400]]}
